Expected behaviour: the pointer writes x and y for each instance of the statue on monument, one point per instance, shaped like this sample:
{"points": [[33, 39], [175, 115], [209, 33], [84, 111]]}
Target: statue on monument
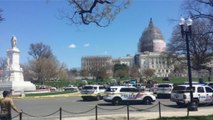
{"points": [[13, 41], [13, 78]]}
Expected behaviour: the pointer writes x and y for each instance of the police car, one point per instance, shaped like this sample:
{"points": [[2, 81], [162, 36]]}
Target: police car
{"points": [[91, 92], [164, 89], [119, 94], [202, 94]]}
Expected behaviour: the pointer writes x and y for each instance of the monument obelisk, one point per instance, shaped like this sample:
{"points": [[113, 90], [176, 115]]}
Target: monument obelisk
{"points": [[13, 74]]}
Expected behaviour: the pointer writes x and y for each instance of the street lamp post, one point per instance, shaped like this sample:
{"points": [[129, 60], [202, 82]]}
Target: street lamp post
{"points": [[187, 32]]}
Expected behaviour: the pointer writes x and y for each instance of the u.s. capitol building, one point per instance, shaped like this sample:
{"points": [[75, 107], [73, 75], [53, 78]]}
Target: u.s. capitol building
{"points": [[151, 55], [152, 52]]}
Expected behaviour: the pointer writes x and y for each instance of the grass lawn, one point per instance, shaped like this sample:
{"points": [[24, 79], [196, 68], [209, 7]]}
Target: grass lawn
{"points": [[178, 80], [209, 117]]}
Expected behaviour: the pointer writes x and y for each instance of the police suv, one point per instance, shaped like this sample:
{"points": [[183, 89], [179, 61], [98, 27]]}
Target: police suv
{"points": [[90, 92], [119, 94], [202, 94]]}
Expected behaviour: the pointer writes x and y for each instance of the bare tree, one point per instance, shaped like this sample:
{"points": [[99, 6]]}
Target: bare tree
{"points": [[148, 73], [99, 12], [1, 18], [201, 44], [134, 72], [102, 74], [3, 63], [84, 73], [44, 66], [39, 50], [200, 9]]}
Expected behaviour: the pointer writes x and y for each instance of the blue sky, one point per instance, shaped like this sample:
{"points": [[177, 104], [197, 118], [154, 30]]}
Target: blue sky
{"points": [[34, 21]]}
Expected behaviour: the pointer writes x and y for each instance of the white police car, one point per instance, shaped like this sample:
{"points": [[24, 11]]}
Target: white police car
{"points": [[202, 94], [90, 92], [119, 94]]}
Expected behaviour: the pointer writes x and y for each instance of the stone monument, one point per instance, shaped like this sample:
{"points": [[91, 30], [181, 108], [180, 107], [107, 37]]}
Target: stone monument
{"points": [[13, 74]]}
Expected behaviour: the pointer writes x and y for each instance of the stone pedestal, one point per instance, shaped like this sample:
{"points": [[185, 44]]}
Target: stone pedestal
{"points": [[13, 74]]}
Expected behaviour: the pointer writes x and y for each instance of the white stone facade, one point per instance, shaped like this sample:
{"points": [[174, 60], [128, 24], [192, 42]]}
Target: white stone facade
{"points": [[127, 60], [156, 61]]}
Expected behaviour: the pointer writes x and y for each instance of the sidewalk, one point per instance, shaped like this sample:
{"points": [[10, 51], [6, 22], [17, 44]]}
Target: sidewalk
{"points": [[147, 115]]}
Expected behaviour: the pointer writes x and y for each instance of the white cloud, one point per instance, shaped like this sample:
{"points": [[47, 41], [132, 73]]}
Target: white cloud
{"points": [[105, 52], [72, 46], [86, 45]]}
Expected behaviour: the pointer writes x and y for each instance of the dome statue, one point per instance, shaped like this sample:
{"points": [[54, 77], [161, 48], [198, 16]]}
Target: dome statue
{"points": [[151, 40]]}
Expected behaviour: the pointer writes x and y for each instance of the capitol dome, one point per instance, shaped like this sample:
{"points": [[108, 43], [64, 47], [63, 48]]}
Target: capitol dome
{"points": [[151, 40]]}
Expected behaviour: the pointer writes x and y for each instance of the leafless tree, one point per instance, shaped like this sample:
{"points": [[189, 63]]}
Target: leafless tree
{"points": [[201, 44], [44, 66], [134, 72], [1, 18], [200, 9], [84, 73], [39, 50], [3, 63], [148, 73], [99, 12]]}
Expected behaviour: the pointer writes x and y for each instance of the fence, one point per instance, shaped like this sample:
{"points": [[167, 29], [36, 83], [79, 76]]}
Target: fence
{"points": [[60, 111]]}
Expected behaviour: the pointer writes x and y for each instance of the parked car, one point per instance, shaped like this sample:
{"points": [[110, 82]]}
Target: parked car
{"points": [[44, 87], [90, 92], [164, 89], [202, 94], [210, 84], [71, 88], [120, 94], [154, 88]]}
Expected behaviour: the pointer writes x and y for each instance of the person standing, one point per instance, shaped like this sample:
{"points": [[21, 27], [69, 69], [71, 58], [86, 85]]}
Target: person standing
{"points": [[6, 103]]}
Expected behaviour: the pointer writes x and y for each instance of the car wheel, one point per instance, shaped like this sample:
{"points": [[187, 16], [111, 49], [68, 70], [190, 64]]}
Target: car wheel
{"points": [[116, 101], [98, 97], [196, 102], [84, 99], [147, 101]]}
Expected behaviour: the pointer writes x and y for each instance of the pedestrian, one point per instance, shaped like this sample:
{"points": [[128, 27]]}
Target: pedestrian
{"points": [[6, 103]]}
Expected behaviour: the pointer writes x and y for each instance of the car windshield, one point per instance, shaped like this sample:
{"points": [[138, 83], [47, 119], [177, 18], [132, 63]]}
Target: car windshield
{"points": [[165, 85], [89, 87], [111, 89], [210, 84], [182, 89]]}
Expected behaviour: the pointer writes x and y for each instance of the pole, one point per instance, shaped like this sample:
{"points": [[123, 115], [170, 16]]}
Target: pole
{"points": [[127, 111], [20, 116], [60, 113], [96, 112], [189, 66], [159, 110]]}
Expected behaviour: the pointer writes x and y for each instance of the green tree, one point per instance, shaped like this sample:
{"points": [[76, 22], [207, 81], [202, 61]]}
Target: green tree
{"points": [[121, 70]]}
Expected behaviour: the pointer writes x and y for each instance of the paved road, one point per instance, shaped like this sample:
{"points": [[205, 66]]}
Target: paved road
{"points": [[36, 108]]}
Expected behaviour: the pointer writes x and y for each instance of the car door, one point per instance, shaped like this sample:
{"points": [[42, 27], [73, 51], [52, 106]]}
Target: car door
{"points": [[209, 95], [125, 93], [201, 94], [128, 94]]}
